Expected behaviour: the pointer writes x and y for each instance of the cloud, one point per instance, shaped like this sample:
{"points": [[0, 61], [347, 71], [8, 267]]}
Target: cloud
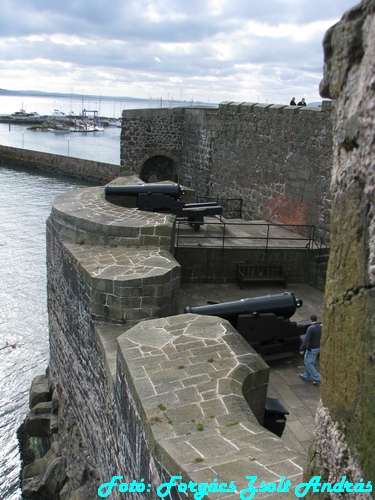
{"points": [[221, 49]]}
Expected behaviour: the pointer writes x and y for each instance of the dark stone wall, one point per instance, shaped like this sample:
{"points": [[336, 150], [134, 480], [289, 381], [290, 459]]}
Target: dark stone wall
{"points": [[278, 159], [151, 133], [345, 432], [114, 376], [212, 265], [111, 428], [199, 131]]}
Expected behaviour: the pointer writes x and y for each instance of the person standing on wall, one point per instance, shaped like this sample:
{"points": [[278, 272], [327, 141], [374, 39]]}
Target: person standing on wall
{"points": [[293, 102], [310, 347], [302, 102]]}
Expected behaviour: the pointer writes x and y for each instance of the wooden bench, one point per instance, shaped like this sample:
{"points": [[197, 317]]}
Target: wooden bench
{"points": [[260, 272]]}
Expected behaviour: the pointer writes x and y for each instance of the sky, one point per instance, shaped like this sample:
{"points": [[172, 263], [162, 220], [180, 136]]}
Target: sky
{"points": [[196, 50]]}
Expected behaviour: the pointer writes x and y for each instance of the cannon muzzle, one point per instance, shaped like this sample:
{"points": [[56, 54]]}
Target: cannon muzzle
{"points": [[283, 304]]}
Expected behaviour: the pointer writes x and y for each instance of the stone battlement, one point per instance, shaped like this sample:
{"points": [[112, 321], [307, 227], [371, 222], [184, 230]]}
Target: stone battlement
{"points": [[276, 158], [152, 393]]}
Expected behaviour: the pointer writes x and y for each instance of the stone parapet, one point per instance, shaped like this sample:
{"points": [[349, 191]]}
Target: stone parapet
{"points": [[276, 158], [199, 390], [85, 217], [148, 393], [127, 286], [67, 165]]}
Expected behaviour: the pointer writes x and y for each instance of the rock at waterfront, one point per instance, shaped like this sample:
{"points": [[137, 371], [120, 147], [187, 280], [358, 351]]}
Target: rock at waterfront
{"points": [[38, 420], [40, 391], [45, 477]]}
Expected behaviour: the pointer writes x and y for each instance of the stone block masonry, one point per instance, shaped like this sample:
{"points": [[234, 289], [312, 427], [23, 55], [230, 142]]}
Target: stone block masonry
{"points": [[137, 390], [345, 431], [276, 158]]}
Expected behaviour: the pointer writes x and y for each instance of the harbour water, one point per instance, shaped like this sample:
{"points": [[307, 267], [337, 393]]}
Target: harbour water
{"points": [[96, 146], [25, 204]]}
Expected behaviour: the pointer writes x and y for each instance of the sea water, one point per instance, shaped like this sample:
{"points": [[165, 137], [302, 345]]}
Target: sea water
{"points": [[25, 203]]}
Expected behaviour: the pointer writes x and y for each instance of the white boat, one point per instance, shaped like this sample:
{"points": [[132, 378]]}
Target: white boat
{"points": [[23, 116], [58, 115], [83, 127], [59, 130]]}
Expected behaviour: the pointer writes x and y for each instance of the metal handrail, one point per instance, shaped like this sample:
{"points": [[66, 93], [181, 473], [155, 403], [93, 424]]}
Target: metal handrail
{"points": [[312, 239]]}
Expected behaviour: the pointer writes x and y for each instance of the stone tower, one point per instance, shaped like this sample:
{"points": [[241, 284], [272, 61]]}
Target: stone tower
{"points": [[345, 432]]}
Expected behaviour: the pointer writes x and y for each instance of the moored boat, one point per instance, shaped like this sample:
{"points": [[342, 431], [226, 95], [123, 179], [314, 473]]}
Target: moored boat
{"points": [[23, 117], [58, 115]]}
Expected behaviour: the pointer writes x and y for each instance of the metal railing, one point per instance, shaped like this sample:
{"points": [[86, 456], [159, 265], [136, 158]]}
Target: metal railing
{"points": [[303, 233]]}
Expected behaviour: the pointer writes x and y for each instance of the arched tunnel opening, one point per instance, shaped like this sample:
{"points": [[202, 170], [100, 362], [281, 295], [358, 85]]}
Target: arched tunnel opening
{"points": [[158, 168]]}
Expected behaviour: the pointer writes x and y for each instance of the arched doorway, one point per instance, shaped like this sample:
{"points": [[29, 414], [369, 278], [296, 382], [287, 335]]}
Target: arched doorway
{"points": [[158, 168]]}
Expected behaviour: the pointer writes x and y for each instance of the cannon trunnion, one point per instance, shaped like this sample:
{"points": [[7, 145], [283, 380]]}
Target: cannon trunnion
{"points": [[264, 322]]}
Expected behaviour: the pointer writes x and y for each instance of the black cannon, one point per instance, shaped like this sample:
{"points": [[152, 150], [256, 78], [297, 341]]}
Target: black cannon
{"points": [[282, 304], [164, 198], [262, 321], [174, 191]]}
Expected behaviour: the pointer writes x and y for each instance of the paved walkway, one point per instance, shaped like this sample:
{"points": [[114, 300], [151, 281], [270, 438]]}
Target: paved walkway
{"points": [[300, 398]]}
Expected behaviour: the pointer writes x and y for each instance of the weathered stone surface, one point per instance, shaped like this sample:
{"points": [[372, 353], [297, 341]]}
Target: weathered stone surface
{"points": [[38, 420], [82, 493], [344, 47], [42, 408], [276, 158], [34, 469], [40, 391], [188, 387], [345, 430], [45, 477]]}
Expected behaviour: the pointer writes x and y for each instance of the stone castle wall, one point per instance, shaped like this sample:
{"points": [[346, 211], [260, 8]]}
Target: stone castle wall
{"points": [[149, 133], [276, 158], [345, 431], [135, 388], [66, 165]]}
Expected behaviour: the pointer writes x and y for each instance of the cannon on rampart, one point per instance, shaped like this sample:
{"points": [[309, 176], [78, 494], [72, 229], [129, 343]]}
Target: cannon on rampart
{"points": [[165, 198], [264, 322], [171, 190]]}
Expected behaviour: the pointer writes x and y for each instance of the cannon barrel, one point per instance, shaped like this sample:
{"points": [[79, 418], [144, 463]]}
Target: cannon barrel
{"points": [[283, 304], [173, 190]]}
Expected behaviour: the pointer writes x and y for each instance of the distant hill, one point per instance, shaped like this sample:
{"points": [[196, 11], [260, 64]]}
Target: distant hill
{"points": [[37, 93]]}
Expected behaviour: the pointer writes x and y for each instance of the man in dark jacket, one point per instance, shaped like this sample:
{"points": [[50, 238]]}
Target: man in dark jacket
{"points": [[310, 347]]}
